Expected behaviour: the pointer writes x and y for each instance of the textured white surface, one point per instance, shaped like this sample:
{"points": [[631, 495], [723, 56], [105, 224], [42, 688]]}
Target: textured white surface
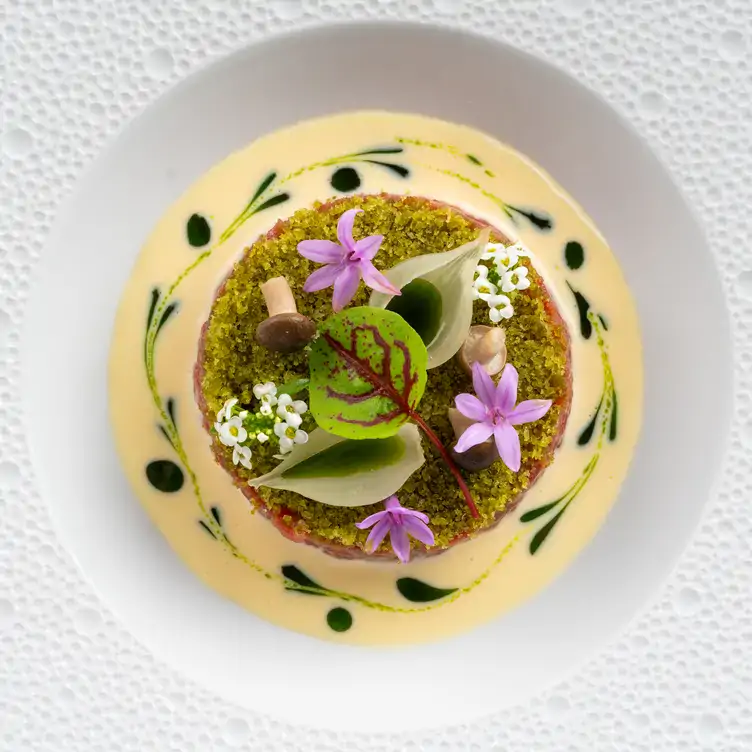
{"points": [[71, 74]]}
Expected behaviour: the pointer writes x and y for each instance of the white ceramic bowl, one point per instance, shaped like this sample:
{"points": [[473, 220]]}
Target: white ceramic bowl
{"points": [[458, 77]]}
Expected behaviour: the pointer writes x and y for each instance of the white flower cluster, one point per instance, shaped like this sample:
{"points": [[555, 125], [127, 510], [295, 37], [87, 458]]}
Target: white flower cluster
{"points": [[232, 433], [278, 416], [505, 276], [288, 411]]}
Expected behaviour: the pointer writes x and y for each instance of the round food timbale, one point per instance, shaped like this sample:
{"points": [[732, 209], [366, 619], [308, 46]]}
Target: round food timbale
{"points": [[231, 361]]}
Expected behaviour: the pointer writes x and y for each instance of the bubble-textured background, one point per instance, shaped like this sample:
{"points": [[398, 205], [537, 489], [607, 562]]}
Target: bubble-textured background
{"points": [[72, 73]]}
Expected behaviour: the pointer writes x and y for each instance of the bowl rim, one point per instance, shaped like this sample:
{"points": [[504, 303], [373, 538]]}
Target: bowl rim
{"points": [[724, 406]]}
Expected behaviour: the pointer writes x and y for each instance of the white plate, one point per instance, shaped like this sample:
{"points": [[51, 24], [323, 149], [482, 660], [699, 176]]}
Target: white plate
{"points": [[594, 155]]}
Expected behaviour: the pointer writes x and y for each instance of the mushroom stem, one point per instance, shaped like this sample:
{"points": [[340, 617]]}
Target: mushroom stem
{"points": [[489, 345], [278, 296], [478, 457], [485, 345], [460, 422]]}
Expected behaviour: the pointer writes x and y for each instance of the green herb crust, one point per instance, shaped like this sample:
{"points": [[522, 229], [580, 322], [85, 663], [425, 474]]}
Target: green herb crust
{"points": [[231, 362]]}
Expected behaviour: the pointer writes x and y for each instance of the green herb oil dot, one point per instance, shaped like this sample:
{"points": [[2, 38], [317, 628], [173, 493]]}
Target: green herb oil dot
{"points": [[198, 231], [339, 619], [345, 180], [165, 476], [574, 254]]}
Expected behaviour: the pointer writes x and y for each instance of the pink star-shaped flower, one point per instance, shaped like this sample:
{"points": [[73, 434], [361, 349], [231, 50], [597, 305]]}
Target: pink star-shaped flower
{"points": [[401, 523], [497, 414], [345, 263]]}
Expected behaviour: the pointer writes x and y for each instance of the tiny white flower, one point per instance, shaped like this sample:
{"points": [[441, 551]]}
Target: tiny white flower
{"points": [[243, 414], [283, 401], [504, 257], [293, 420], [242, 455], [481, 286], [515, 279], [289, 436], [265, 392], [486, 296], [261, 437], [290, 410], [492, 251], [501, 308], [232, 432], [226, 411], [518, 249], [266, 409], [495, 315]]}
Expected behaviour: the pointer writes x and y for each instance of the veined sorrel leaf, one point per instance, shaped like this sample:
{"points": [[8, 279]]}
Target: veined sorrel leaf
{"points": [[368, 373], [451, 274], [347, 472]]}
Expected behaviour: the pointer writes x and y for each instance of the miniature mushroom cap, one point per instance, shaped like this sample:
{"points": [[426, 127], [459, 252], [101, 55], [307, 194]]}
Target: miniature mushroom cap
{"points": [[478, 457], [286, 332], [485, 345]]}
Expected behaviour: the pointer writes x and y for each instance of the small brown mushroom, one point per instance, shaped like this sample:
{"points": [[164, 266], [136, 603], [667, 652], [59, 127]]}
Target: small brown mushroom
{"points": [[485, 345], [478, 457], [285, 330]]}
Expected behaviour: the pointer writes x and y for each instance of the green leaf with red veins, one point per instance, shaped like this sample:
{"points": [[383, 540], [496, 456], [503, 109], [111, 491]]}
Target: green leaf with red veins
{"points": [[368, 373]]}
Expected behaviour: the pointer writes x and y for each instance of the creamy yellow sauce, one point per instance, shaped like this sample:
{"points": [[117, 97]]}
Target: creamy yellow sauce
{"points": [[243, 558]]}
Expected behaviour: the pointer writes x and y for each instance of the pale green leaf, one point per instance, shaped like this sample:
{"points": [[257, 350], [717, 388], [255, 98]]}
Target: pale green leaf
{"points": [[347, 472], [451, 273], [421, 306]]}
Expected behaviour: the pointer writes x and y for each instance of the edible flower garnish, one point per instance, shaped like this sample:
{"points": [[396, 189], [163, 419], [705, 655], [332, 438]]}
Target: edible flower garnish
{"points": [[496, 414], [401, 524], [504, 257], [242, 454], [238, 427], [503, 277], [500, 308], [231, 431], [265, 393], [345, 263], [226, 410], [483, 288], [290, 410], [515, 279], [289, 435]]}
